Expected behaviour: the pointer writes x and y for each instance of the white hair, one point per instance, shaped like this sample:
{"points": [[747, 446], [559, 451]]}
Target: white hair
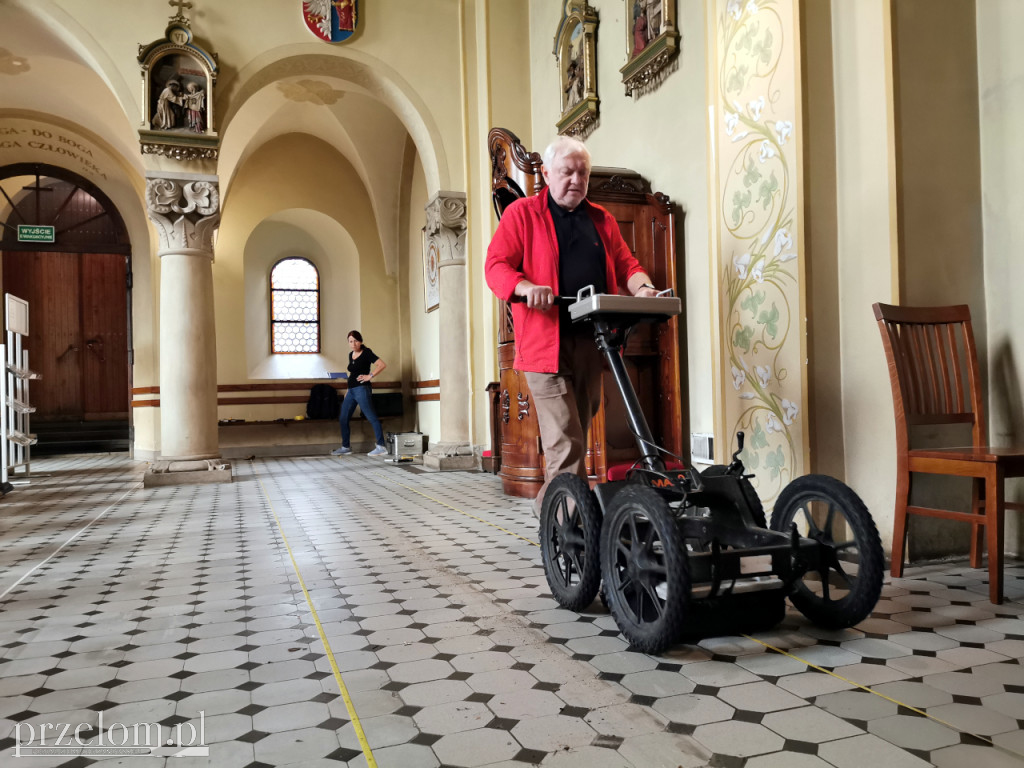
{"points": [[564, 145]]}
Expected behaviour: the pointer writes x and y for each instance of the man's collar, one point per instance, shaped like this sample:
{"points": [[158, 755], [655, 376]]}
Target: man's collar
{"points": [[565, 212]]}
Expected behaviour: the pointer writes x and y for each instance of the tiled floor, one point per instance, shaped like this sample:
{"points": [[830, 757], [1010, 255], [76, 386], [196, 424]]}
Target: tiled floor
{"points": [[432, 639]]}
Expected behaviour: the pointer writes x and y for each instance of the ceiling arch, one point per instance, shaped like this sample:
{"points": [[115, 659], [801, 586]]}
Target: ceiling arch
{"points": [[351, 71]]}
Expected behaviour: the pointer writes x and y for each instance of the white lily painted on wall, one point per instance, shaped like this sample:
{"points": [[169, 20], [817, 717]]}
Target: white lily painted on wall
{"points": [[759, 288]]}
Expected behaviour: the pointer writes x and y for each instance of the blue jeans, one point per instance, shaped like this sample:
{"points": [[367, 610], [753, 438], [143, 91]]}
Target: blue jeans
{"points": [[359, 396]]}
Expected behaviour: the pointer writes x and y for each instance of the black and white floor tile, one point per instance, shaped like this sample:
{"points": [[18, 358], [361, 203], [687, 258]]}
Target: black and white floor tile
{"points": [[326, 611]]}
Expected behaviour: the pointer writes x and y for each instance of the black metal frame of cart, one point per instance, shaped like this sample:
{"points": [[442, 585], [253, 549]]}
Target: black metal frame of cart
{"points": [[678, 552]]}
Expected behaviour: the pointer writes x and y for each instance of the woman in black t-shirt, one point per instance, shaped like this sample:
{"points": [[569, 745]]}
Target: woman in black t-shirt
{"points": [[363, 365]]}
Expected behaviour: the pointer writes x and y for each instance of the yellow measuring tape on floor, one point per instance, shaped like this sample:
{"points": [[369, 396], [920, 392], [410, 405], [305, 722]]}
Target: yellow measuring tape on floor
{"points": [[363, 743]]}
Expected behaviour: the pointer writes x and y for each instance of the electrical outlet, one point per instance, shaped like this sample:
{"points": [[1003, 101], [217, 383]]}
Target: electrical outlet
{"points": [[702, 448]]}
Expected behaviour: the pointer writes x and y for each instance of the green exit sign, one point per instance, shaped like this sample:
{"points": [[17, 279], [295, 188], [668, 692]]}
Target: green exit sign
{"points": [[35, 234]]}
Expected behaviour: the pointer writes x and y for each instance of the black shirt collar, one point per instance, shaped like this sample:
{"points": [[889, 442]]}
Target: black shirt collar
{"points": [[565, 213]]}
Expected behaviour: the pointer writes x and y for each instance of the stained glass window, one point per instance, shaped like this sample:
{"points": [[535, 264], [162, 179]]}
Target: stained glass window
{"points": [[294, 307]]}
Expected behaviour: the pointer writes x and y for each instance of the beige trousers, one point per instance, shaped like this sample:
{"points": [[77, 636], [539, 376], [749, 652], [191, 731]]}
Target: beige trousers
{"points": [[565, 403]]}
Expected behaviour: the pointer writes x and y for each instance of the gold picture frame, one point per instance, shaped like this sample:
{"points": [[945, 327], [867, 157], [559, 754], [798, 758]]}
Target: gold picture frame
{"points": [[652, 44], [576, 54]]}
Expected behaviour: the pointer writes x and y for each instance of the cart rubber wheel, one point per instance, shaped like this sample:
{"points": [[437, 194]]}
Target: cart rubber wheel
{"points": [[570, 535], [746, 489], [644, 565], [844, 592]]}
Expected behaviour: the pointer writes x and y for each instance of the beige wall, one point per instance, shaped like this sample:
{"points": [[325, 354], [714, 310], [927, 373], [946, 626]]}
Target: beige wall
{"points": [[824, 375], [939, 203], [301, 172], [499, 94], [423, 327], [323, 241], [866, 245], [941, 243], [1001, 89]]}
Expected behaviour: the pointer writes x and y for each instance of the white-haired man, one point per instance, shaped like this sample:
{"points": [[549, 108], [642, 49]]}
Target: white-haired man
{"points": [[548, 245]]}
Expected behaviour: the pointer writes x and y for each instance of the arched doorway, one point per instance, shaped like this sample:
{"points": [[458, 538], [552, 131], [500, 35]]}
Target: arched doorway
{"points": [[78, 289]]}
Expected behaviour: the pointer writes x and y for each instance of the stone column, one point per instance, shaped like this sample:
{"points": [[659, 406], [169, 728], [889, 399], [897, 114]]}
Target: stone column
{"points": [[446, 235], [186, 209]]}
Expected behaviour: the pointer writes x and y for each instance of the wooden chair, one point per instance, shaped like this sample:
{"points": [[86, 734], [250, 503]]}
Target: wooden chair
{"points": [[933, 369]]}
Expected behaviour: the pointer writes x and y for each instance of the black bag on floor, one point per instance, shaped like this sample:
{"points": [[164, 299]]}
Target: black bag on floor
{"points": [[323, 402]]}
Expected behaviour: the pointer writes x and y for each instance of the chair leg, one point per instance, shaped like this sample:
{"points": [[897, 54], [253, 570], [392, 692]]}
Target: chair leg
{"points": [[978, 508], [994, 532], [899, 527]]}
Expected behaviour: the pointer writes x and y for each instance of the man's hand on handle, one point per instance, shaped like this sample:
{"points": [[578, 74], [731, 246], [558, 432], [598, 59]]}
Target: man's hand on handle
{"points": [[536, 296], [541, 297], [640, 285]]}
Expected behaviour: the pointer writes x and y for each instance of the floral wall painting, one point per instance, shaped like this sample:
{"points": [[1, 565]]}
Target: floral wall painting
{"points": [[576, 55], [759, 219], [652, 44], [178, 78]]}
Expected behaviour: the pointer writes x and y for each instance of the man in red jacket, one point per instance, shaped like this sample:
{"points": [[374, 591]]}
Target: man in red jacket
{"points": [[553, 244]]}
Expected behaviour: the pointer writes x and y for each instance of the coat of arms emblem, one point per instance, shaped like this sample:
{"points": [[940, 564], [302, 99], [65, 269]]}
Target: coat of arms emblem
{"points": [[330, 20]]}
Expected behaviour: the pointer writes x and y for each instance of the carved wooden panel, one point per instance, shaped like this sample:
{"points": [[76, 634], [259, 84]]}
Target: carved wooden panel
{"points": [[522, 466]]}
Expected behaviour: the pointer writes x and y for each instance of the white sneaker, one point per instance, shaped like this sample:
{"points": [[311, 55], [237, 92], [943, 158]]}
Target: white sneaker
{"points": [[380, 450], [341, 451]]}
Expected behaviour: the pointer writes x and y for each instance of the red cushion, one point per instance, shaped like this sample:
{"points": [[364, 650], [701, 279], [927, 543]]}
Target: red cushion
{"points": [[619, 471]]}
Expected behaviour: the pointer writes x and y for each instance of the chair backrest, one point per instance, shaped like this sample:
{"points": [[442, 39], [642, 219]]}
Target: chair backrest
{"points": [[515, 172], [933, 367]]}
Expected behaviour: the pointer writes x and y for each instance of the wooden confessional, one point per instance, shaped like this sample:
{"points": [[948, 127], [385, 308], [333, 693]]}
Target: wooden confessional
{"points": [[653, 356]]}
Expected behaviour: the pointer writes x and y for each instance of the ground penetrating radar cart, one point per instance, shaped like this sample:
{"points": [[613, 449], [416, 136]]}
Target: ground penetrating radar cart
{"points": [[677, 552]]}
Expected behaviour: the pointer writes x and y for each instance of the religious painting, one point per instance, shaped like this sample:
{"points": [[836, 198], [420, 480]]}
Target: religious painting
{"points": [[575, 52], [652, 44], [333, 21], [178, 78], [431, 274]]}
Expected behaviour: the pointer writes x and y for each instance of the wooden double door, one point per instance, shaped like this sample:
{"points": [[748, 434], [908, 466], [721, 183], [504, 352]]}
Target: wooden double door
{"points": [[78, 332]]}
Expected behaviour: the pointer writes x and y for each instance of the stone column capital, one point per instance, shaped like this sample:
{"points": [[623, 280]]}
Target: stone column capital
{"points": [[446, 227], [186, 211]]}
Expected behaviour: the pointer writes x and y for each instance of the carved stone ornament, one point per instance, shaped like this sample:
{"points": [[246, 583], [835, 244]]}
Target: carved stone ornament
{"points": [[185, 212], [576, 53], [446, 227], [178, 80], [178, 152]]}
